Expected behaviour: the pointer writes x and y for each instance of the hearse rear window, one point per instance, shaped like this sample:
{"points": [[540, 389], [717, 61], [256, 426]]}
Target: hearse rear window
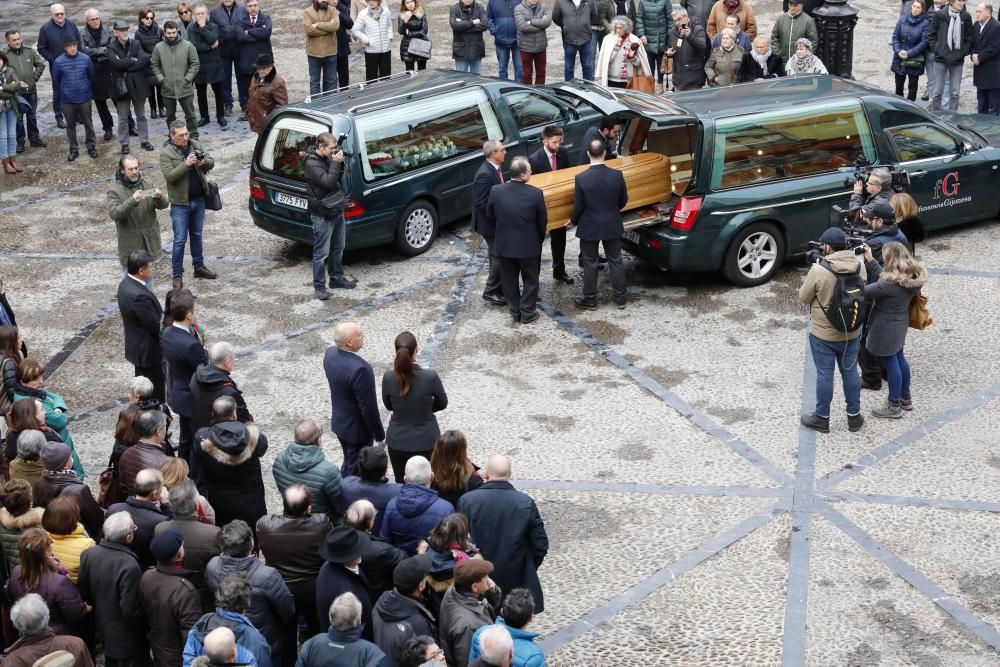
{"points": [[760, 148], [288, 138], [413, 135]]}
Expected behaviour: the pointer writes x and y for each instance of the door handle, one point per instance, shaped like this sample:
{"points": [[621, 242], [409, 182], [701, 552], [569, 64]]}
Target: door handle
{"points": [[571, 146], [917, 173]]}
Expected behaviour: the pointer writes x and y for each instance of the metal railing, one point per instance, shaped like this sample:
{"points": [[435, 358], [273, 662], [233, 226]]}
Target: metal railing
{"points": [[356, 87]]}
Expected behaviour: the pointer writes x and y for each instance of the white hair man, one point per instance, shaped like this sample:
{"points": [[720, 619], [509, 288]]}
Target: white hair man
{"points": [[342, 645], [405, 530], [30, 616], [212, 380], [145, 509], [517, 542], [219, 649], [496, 648]]}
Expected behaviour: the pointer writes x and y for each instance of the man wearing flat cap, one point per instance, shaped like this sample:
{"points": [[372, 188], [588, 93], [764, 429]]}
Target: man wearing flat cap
{"points": [[400, 613], [829, 345], [341, 573], [59, 479], [171, 601], [472, 602], [267, 92]]}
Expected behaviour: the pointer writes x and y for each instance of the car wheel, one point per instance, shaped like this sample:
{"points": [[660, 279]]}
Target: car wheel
{"points": [[754, 254], [417, 228]]}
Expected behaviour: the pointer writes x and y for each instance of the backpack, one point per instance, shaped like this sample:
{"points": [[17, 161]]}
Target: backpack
{"points": [[848, 303]]}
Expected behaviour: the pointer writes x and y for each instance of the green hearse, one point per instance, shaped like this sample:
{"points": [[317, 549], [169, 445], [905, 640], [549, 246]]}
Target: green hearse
{"points": [[756, 168]]}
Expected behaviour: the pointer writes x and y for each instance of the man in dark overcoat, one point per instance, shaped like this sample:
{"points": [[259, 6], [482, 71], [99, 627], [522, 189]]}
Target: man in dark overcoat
{"points": [[141, 317], [489, 174], [986, 60]]}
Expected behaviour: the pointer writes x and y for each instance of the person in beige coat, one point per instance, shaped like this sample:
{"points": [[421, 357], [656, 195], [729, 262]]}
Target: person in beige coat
{"points": [[621, 56], [722, 9], [321, 22]]}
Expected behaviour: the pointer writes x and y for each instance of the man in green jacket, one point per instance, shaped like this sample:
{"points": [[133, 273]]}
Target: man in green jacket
{"points": [[789, 28], [184, 164], [28, 66], [133, 204], [175, 64], [303, 462]]}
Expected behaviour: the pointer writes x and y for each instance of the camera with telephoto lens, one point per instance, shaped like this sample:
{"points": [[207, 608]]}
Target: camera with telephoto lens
{"points": [[855, 241], [861, 169], [199, 155]]}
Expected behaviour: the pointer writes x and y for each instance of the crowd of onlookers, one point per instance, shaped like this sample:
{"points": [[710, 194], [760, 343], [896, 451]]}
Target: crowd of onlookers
{"points": [[172, 558]]}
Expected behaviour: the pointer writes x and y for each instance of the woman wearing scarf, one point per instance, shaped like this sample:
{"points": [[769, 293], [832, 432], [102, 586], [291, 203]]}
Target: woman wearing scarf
{"points": [[725, 64], [804, 62], [10, 86], [761, 62], [373, 28], [621, 56], [909, 43], [412, 25], [950, 39], [722, 9]]}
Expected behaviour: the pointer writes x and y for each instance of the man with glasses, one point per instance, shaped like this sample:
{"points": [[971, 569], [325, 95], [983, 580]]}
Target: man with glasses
{"points": [[29, 67], [229, 15], [50, 47], [185, 14], [94, 41]]}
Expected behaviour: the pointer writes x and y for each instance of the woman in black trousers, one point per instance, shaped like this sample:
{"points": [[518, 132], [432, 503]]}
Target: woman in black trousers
{"points": [[413, 394]]}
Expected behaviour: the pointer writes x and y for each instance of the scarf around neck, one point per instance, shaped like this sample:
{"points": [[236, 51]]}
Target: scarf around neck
{"points": [[375, 13], [761, 59], [731, 6], [803, 65], [954, 30]]}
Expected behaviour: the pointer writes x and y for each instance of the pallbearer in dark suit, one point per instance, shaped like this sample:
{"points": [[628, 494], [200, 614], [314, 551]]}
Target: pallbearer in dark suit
{"points": [[518, 212], [490, 173], [986, 60], [141, 315], [607, 133], [599, 196], [183, 351], [550, 157]]}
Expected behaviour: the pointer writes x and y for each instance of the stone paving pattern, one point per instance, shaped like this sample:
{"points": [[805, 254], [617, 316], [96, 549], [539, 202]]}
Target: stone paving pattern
{"points": [[692, 522]]}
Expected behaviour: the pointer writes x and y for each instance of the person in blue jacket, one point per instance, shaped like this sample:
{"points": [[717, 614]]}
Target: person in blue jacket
{"points": [[72, 75], [516, 613], [50, 47], [233, 600], [500, 21]]}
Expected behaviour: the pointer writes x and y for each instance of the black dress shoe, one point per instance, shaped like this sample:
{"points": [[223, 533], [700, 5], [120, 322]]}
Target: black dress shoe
{"points": [[148, 146], [153, 114], [20, 148], [872, 386], [72, 156], [223, 122], [108, 135], [125, 149], [494, 300], [61, 123], [39, 143], [530, 318], [204, 272], [92, 152], [562, 278], [203, 122], [584, 304]]}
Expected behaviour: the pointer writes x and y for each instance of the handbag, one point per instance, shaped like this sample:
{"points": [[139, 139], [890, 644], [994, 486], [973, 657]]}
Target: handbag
{"points": [[110, 489], [666, 64], [920, 317], [642, 83], [418, 48], [213, 198]]}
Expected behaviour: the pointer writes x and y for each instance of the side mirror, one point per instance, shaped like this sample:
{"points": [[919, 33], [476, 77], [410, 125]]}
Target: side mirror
{"points": [[963, 148]]}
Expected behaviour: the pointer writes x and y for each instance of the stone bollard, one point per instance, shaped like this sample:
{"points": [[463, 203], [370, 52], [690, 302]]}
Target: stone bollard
{"points": [[835, 21]]}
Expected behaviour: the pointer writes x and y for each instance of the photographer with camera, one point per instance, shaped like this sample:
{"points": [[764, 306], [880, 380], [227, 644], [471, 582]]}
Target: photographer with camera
{"points": [[834, 289], [184, 165], [323, 166], [874, 189], [880, 218]]}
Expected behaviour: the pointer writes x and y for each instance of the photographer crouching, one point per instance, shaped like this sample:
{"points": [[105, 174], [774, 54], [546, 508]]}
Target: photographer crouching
{"points": [[834, 289]]}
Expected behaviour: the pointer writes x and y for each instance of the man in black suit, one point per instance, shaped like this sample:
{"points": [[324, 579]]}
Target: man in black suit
{"points": [[490, 173], [550, 157], [986, 60], [141, 315], [518, 212], [607, 133], [356, 420], [599, 196], [183, 351]]}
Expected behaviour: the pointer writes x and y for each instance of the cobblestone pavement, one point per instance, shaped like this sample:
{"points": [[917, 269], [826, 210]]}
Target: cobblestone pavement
{"points": [[692, 521]]}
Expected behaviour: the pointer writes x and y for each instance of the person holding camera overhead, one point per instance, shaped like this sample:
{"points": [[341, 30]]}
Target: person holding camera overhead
{"points": [[873, 189], [184, 165], [323, 166]]}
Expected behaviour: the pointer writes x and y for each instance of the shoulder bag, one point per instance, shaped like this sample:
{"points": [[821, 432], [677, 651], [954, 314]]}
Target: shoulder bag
{"points": [[213, 198], [110, 489], [419, 48], [920, 317]]}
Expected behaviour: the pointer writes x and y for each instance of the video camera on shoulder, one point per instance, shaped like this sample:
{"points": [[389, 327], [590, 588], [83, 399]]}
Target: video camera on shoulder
{"points": [[861, 169], [855, 240]]}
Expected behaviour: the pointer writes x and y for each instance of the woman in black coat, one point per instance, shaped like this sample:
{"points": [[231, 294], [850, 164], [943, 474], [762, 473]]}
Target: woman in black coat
{"points": [[205, 38], [760, 62], [412, 24], [229, 454], [906, 209], [149, 35], [897, 284], [413, 394]]}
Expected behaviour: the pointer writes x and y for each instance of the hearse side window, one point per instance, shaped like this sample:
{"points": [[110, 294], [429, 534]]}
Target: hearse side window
{"points": [[531, 110], [287, 139], [759, 148], [417, 134], [920, 142]]}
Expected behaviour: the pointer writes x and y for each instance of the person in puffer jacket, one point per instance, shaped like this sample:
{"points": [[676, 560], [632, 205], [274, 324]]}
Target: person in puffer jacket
{"points": [[72, 76], [500, 21], [373, 28], [303, 462], [232, 600], [272, 607], [413, 514]]}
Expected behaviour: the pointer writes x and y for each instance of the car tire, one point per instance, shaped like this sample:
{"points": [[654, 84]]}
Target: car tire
{"points": [[418, 226], [754, 255]]}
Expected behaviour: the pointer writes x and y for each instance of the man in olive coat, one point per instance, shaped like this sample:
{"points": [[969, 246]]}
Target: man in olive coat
{"points": [[507, 526], [175, 64], [132, 204]]}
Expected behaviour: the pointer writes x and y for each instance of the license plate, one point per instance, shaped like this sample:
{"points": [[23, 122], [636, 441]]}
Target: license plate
{"points": [[291, 200], [633, 237]]}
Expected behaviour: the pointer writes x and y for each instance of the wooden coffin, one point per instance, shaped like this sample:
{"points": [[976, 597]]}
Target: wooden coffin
{"points": [[647, 176]]}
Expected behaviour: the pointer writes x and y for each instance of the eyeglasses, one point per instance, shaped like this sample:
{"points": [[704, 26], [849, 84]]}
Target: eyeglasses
{"points": [[185, 12], [60, 14], [148, 18]]}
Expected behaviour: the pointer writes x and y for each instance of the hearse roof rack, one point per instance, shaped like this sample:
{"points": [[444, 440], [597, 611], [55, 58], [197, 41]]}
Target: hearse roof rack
{"points": [[357, 87], [390, 101]]}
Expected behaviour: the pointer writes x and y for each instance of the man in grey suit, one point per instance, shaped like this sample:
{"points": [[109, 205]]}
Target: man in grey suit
{"points": [[599, 196], [517, 211]]}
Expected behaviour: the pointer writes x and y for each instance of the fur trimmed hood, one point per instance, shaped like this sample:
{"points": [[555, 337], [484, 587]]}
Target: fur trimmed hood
{"points": [[30, 519], [909, 282], [229, 443]]}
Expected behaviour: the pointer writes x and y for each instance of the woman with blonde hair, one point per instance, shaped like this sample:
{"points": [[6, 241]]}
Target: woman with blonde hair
{"points": [[175, 470], [897, 284], [725, 66], [621, 56], [906, 210]]}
